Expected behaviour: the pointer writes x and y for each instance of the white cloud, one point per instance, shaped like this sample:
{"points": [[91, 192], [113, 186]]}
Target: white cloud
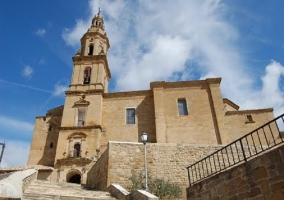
{"points": [[59, 89], [15, 153], [27, 71], [42, 61], [41, 32], [271, 95], [15, 124], [162, 40], [25, 86], [71, 36]]}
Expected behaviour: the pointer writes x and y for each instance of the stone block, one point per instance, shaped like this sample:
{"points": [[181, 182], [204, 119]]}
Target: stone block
{"points": [[259, 173], [118, 191], [276, 187], [254, 192]]}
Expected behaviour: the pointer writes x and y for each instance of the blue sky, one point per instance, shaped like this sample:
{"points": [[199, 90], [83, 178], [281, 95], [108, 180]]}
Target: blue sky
{"points": [[240, 41]]}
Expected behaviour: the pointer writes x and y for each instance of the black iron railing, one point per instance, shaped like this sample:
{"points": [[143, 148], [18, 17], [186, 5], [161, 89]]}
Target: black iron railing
{"points": [[251, 144]]}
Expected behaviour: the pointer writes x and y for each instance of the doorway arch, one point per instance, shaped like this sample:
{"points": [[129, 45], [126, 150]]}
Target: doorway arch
{"points": [[73, 176]]}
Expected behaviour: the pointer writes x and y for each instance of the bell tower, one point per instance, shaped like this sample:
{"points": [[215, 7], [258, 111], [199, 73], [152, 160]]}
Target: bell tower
{"points": [[79, 141], [91, 71]]}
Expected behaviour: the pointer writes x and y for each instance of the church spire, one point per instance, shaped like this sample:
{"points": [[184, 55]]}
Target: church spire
{"points": [[98, 22]]}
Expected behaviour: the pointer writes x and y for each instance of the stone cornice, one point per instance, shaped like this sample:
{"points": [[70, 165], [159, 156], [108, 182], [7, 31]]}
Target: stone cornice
{"points": [[243, 112], [180, 84], [78, 59], [70, 160], [81, 92], [81, 127], [128, 94], [230, 103]]}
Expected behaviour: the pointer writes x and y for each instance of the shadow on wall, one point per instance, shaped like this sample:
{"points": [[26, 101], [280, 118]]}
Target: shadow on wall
{"points": [[52, 131], [146, 119]]}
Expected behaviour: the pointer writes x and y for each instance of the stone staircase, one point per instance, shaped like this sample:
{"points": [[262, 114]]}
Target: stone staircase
{"points": [[46, 190]]}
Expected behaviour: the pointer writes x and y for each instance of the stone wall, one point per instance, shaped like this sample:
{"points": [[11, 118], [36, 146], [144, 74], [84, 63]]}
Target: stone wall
{"points": [[45, 139], [259, 178], [114, 116], [97, 177], [167, 161], [236, 123], [28, 180]]}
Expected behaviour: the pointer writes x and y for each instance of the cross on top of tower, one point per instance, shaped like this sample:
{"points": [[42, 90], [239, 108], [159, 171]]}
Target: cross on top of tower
{"points": [[99, 11]]}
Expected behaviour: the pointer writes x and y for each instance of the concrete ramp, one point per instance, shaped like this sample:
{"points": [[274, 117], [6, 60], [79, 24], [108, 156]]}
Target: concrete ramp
{"points": [[12, 185]]}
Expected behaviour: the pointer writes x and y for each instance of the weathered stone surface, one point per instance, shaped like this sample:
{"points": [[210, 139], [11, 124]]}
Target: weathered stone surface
{"points": [[254, 181]]}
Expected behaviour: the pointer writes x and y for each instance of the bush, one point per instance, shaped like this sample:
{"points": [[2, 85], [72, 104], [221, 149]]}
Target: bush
{"points": [[158, 186]]}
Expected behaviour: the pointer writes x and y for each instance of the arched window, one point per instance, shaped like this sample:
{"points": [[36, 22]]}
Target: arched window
{"points": [[87, 75], [77, 150], [51, 145], [91, 50]]}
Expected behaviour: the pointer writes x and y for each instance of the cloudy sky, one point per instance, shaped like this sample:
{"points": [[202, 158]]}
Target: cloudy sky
{"points": [[151, 40]]}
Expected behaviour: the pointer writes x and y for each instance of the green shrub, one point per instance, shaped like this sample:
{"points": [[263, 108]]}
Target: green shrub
{"points": [[158, 186]]}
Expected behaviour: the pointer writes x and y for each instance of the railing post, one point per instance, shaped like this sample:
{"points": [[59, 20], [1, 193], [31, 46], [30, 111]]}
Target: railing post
{"points": [[208, 168], [244, 154], [188, 176]]}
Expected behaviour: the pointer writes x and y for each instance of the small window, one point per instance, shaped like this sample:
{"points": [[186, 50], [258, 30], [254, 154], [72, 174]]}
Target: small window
{"points": [[77, 150], [51, 145], [49, 128], [249, 119], [130, 116], [91, 50], [182, 107], [81, 116], [87, 75]]}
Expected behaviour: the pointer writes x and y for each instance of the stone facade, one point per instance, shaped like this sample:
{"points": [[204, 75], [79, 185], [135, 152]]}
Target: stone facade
{"points": [[72, 137], [259, 178]]}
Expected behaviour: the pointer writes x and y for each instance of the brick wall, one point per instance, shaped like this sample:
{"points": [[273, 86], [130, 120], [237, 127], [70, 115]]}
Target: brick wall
{"points": [[259, 178]]}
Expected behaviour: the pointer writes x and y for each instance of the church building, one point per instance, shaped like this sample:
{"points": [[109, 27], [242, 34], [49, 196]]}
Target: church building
{"points": [[70, 138]]}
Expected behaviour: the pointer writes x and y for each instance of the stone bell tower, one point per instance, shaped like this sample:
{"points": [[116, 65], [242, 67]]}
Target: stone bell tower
{"points": [[80, 131], [91, 71]]}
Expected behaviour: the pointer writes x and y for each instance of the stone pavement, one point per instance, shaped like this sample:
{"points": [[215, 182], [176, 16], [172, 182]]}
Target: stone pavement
{"points": [[46, 190]]}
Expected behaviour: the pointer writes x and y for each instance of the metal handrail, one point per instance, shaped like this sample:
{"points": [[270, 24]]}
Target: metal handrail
{"points": [[240, 150]]}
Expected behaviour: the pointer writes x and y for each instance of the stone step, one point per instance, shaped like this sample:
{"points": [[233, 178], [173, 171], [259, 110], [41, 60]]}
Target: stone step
{"points": [[55, 184], [39, 196], [62, 197], [53, 190]]}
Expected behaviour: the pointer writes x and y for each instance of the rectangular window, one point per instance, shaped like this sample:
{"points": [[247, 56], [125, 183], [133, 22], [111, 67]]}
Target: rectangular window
{"points": [[81, 116], [249, 119], [130, 116], [182, 107]]}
